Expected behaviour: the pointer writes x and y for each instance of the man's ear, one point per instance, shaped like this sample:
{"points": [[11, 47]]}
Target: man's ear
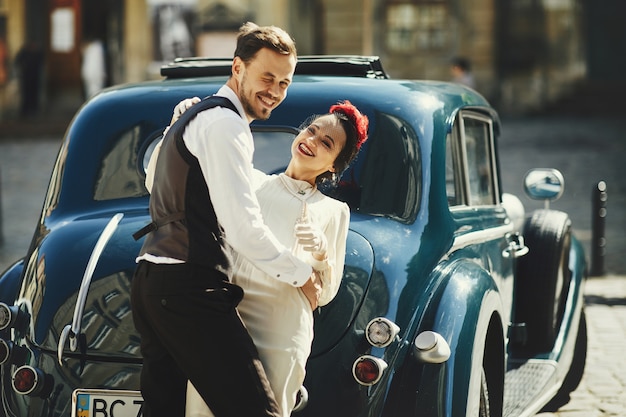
{"points": [[237, 66]]}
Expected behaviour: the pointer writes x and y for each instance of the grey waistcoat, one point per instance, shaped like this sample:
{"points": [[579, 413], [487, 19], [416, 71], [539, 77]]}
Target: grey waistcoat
{"points": [[184, 225]]}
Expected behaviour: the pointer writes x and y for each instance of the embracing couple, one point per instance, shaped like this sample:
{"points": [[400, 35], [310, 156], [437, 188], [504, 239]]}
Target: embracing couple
{"points": [[235, 261]]}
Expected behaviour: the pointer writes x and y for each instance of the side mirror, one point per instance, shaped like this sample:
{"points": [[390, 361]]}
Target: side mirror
{"points": [[544, 184]]}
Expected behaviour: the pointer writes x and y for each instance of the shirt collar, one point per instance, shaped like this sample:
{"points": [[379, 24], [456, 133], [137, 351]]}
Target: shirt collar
{"points": [[226, 91]]}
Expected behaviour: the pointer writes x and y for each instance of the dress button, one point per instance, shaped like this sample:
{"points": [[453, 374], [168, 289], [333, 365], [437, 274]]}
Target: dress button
{"points": [[163, 302], [295, 282]]}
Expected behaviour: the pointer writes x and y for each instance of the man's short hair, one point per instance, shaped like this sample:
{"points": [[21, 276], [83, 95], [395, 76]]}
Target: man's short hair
{"points": [[252, 38]]}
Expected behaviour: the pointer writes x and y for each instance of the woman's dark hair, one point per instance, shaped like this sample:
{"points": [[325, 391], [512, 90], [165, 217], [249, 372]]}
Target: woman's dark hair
{"points": [[252, 38]]}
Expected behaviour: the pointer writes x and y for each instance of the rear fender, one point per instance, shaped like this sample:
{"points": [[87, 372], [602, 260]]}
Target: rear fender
{"points": [[461, 312]]}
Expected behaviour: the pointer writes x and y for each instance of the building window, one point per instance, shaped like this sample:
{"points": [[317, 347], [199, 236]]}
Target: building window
{"points": [[417, 26]]}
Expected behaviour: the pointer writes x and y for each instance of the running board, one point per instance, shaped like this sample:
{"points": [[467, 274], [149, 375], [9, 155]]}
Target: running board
{"points": [[528, 386]]}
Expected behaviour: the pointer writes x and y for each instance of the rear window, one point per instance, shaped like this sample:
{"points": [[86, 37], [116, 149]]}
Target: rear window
{"points": [[118, 175], [388, 171]]}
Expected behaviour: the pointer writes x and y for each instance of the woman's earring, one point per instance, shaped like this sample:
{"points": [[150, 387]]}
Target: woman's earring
{"points": [[333, 177]]}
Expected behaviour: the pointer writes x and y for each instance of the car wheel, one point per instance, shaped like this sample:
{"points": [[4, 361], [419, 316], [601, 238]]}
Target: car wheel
{"points": [[543, 278]]}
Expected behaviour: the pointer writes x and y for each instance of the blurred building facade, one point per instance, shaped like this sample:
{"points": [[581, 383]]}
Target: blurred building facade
{"points": [[524, 53]]}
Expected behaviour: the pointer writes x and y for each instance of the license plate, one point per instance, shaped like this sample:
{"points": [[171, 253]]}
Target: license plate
{"points": [[106, 403]]}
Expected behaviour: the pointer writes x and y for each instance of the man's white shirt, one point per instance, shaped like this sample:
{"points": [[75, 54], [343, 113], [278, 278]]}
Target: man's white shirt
{"points": [[223, 143]]}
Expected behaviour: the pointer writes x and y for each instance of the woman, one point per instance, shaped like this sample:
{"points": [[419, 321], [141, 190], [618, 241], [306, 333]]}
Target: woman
{"points": [[278, 316]]}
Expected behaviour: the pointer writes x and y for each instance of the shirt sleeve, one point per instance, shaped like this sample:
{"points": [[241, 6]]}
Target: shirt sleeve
{"points": [[224, 149]]}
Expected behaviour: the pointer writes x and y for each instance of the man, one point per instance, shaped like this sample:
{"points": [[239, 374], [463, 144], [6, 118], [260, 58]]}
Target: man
{"points": [[201, 203]]}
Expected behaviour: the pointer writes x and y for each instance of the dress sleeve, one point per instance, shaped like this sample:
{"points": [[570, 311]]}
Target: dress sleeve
{"points": [[330, 270]]}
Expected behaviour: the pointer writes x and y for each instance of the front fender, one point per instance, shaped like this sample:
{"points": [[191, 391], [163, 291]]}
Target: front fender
{"points": [[461, 311]]}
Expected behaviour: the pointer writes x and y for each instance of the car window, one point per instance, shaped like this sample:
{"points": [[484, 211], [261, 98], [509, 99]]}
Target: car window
{"points": [[272, 148], [118, 176], [453, 172], [470, 163], [389, 181], [477, 141]]}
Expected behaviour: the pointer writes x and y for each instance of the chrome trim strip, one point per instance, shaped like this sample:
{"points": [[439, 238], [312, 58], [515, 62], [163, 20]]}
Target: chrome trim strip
{"points": [[75, 330]]}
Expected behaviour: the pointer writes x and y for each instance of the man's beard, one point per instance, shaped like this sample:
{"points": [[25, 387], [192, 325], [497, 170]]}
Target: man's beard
{"points": [[262, 114]]}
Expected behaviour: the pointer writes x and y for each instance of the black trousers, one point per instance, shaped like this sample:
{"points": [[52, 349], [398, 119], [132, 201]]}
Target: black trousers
{"points": [[190, 329]]}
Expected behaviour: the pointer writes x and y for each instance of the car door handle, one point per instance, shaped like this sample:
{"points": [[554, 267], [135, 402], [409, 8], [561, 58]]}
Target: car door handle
{"points": [[516, 247]]}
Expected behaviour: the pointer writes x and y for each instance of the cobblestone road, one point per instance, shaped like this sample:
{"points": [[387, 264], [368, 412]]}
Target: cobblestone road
{"points": [[586, 151], [601, 392]]}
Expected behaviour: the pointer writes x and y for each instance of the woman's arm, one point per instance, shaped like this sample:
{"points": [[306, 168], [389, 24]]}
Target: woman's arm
{"points": [[330, 270]]}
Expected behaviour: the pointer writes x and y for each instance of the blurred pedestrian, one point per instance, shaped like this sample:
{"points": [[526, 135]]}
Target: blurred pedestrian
{"points": [[175, 39], [29, 62], [461, 70], [93, 69]]}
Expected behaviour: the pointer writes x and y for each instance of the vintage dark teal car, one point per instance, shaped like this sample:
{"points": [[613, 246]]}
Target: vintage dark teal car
{"points": [[454, 302]]}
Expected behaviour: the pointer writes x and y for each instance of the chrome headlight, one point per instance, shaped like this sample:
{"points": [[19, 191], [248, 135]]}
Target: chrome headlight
{"points": [[380, 332], [11, 316]]}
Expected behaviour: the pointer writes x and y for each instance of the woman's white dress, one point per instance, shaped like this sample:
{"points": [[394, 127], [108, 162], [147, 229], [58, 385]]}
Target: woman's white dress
{"points": [[278, 315]]}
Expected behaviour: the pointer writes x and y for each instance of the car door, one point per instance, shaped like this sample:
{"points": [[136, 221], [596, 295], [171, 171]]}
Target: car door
{"points": [[483, 229]]}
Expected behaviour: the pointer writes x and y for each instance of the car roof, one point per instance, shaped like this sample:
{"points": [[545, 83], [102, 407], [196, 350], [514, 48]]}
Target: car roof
{"points": [[313, 94], [138, 112], [344, 65]]}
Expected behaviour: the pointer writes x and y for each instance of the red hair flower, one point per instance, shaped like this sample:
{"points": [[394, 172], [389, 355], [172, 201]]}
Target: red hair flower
{"points": [[358, 120]]}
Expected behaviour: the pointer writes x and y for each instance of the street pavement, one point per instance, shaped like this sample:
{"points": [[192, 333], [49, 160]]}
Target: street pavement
{"points": [[25, 168], [585, 150], [601, 391]]}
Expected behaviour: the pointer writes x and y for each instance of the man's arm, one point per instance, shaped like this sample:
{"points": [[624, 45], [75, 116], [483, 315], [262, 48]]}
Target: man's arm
{"points": [[179, 109], [221, 142]]}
